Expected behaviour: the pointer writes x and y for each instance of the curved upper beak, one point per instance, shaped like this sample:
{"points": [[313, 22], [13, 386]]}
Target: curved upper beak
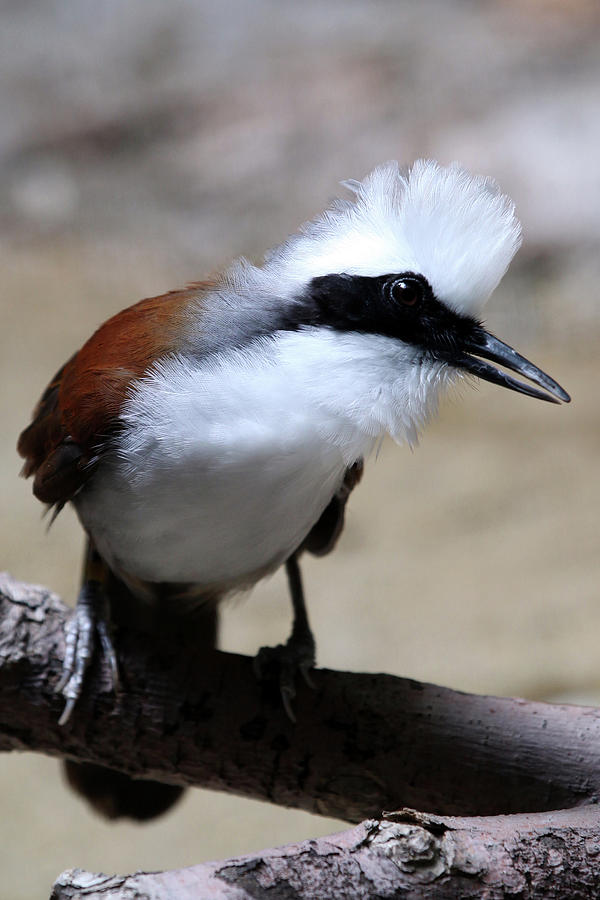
{"points": [[482, 345]]}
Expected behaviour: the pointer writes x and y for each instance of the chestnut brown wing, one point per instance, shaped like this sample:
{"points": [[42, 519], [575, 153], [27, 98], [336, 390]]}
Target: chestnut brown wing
{"points": [[78, 413]]}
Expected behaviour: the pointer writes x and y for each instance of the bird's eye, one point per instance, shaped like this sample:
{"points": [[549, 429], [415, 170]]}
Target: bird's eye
{"points": [[407, 291]]}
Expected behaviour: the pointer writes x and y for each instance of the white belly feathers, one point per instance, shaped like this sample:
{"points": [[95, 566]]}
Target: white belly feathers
{"points": [[224, 465]]}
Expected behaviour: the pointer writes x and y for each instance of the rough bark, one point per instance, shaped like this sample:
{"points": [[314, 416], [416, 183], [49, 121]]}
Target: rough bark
{"points": [[362, 744], [522, 856]]}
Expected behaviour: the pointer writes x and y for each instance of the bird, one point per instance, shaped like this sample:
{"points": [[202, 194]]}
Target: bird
{"points": [[210, 435]]}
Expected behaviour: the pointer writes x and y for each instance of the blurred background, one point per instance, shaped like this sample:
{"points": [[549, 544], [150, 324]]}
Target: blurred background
{"points": [[145, 144]]}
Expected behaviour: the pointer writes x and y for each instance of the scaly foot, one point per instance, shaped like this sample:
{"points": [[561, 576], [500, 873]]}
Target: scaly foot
{"points": [[295, 656], [90, 617]]}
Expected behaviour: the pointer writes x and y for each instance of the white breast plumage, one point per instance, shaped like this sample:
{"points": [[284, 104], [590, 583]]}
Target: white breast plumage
{"points": [[223, 466]]}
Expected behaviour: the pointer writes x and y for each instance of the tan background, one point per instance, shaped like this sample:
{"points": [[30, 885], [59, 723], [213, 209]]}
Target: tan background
{"points": [[143, 144]]}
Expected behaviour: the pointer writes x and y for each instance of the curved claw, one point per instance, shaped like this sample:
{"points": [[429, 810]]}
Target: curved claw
{"points": [[296, 656], [88, 618], [66, 713], [305, 672], [287, 695], [78, 644]]}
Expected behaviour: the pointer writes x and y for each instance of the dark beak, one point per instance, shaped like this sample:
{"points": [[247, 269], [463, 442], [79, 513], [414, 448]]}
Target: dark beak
{"points": [[481, 345]]}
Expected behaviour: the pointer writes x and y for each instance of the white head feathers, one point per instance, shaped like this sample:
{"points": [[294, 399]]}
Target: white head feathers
{"points": [[456, 229]]}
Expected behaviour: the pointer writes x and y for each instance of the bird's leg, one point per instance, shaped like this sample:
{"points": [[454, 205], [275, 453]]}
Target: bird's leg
{"points": [[90, 618], [298, 653]]}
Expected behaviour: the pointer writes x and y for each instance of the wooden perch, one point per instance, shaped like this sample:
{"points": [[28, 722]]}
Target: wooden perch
{"points": [[362, 743]]}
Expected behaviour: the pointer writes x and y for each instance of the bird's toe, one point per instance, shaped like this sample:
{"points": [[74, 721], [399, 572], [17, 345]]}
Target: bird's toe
{"points": [[283, 664], [89, 618]]}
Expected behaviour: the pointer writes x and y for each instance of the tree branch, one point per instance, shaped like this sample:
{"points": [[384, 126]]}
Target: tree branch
{"points": [[550, 856], [362, 743]]}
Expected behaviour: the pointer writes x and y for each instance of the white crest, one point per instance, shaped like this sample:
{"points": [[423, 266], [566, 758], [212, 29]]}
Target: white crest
{"points": [[458, 230]]}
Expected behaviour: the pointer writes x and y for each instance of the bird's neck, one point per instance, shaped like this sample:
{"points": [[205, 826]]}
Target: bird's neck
{"points": [[314, 386], [361, 386]]}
